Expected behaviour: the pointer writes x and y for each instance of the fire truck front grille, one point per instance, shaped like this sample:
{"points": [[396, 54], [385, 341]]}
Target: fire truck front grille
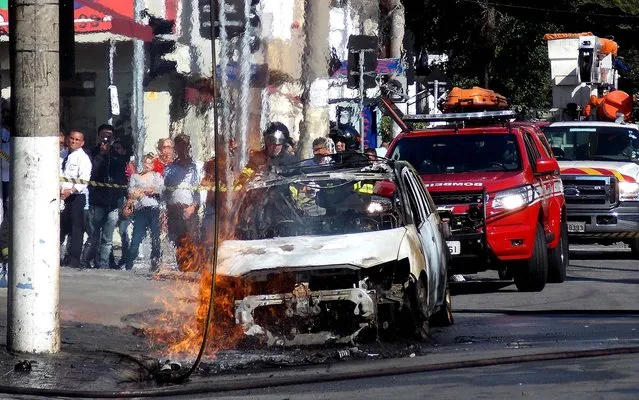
{"points": [[591, 192], [453, 199]]}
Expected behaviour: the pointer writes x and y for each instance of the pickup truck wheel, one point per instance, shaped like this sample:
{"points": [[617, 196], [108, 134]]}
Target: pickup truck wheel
{"points": [[531, 275], [444, 316], [558, 257]]}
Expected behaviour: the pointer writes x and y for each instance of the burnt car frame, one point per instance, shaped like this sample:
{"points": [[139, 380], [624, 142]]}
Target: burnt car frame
{"points": [[333, 251]]}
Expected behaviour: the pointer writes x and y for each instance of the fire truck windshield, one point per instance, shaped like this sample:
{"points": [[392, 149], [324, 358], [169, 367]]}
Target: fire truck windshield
{"points": [[448, 154], [597, 143]]}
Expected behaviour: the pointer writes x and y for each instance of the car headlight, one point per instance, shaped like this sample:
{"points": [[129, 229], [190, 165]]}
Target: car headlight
{"points": [[628, 191], [513, 199]]}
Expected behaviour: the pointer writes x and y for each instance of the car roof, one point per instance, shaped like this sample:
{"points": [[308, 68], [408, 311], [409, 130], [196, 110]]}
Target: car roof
{"points": [[592, 123]]}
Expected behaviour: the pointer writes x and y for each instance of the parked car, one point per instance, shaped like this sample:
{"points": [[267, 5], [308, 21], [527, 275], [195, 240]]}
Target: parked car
{"points": [[499, 186], [333, 251]]}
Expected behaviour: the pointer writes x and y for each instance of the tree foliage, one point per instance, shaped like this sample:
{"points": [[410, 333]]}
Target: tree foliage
{"points": [[499, 43]]}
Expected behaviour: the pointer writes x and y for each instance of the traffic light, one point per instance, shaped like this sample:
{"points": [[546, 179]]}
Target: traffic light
{"points": [[358, 45], [158, 48], [67, 39], [235, 20]]}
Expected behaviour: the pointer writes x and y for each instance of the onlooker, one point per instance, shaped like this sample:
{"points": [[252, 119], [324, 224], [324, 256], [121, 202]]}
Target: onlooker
{"points": [[144, 197], [105, 203], [123, 148], [181, 180], [165, 155], [371, 153], [76, 165], [104, 140]]}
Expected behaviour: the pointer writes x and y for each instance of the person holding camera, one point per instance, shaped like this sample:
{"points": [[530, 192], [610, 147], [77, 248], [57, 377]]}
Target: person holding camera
{"points": [[105, 201]]}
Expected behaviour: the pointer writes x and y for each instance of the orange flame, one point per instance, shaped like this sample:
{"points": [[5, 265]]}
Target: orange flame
{"points": [[181, 328]]}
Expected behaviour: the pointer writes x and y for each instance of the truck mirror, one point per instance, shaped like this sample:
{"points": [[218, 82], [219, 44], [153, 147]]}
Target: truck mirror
{"points": [[547, 166]]}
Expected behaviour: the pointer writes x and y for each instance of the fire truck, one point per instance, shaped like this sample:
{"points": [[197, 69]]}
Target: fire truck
{"points": [[596, 145], [495, 182]]}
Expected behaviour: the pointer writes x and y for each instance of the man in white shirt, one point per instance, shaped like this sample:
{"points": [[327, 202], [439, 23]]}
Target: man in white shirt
{"points": [[76, 165]]}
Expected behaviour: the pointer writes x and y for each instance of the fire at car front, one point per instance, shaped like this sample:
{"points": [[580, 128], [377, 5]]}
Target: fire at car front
{"points": [[324, 259]]}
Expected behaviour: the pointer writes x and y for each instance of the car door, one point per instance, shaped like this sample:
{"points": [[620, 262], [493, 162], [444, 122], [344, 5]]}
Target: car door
{"points": [[543, 183], [427, 232], [440, 257]]}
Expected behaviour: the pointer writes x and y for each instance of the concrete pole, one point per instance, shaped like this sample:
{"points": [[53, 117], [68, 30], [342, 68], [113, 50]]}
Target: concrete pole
{"points": [[33, 325], [398, 22], [137, 103], [315, 76]]}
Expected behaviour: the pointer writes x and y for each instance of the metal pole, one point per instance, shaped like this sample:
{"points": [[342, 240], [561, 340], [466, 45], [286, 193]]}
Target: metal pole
{"points": [[436, 93], [137, 103], [361, 99], [33, 325], [111, 73]]}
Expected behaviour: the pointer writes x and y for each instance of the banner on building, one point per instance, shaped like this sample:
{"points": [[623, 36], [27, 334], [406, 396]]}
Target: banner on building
{"points": [[100, 16]]}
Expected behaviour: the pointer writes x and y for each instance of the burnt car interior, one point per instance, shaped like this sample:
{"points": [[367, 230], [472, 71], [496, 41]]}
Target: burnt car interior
{"points": [[322, 207]]}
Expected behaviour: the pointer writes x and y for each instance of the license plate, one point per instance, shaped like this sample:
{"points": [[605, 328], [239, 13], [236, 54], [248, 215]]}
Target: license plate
{"points": [[576, 227], [454, 247]]}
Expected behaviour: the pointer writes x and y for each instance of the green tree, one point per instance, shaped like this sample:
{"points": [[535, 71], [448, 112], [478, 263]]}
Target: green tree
{"points": [[499, 43]]}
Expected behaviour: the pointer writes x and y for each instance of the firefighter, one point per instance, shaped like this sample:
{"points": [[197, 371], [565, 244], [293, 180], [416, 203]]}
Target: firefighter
{"points": [[276, 150]]}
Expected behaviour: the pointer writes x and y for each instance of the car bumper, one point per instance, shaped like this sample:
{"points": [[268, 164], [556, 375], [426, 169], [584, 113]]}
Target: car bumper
{"points": [[302, 306], [621, 222], [506, 238]]}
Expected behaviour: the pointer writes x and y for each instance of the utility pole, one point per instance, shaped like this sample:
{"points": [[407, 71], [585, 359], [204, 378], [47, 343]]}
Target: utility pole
{"points": [[33, 295], [398, 22], [137, 103], [315, 76]]}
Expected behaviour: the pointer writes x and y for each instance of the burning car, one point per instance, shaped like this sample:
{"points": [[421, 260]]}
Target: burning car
{"points": [[333, 251]]}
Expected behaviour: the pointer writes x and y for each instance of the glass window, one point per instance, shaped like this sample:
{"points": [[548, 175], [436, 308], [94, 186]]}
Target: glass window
{"points": [[448, 154], [602, 143]]}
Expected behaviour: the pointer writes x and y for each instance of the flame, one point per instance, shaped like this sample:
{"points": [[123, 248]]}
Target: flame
{"points": [[180, 328]]}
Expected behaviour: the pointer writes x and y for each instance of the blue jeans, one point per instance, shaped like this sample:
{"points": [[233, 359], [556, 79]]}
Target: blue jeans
{"points": [[100, 243], [143, 219]]}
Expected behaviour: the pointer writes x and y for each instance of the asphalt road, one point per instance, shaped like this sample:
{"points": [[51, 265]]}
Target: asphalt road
{"points": [[596, 308]]}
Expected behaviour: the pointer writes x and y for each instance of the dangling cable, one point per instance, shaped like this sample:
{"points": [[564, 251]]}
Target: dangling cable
{"points": [[181, 376]]}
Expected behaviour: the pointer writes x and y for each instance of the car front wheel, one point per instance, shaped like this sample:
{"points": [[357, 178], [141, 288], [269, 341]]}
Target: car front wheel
{"points": [[444, 316], [531, 275]]}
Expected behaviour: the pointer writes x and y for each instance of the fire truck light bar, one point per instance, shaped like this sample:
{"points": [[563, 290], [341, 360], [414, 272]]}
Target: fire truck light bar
{"points": [[467, 116]]}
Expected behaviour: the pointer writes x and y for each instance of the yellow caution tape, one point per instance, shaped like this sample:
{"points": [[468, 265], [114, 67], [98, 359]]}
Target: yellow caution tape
{"points": [[4, 156]]}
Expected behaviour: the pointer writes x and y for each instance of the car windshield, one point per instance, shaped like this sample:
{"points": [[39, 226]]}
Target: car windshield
{"points": [[447, 154], [594, 143], [318, 207]]}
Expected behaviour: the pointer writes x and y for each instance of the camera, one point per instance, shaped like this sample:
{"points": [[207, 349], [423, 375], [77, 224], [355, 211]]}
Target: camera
{"points": [[106, 140]]}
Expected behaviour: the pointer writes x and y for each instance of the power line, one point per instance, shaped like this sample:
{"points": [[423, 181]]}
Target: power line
{"points": [[547, 10]]}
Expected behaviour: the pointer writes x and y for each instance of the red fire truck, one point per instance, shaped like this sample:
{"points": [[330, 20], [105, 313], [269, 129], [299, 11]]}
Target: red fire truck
{"points": [[498, 186]]}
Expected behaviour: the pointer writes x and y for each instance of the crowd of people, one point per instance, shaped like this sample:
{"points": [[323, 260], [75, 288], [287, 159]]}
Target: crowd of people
{"points": [[167, 199]]}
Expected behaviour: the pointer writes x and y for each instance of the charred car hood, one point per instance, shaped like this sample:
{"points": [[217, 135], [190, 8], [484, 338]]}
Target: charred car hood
{"points": [[492, 181], [239, 257]]}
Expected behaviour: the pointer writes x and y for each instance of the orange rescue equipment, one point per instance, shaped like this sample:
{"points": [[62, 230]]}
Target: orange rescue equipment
{"points": [[610, 105], [476, 98]]}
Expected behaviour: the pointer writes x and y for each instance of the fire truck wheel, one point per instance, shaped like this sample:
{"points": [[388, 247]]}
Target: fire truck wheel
{"points": [[444, 316], [558, 258], [531, 275]]}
